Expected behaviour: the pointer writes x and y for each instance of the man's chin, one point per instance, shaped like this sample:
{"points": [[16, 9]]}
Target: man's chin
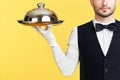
{"points": [[105, 14]]}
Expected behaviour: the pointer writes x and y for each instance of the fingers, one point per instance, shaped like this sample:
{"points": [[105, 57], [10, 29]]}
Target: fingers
{"points": [[35, 28], [48, 27], [39, 28]]}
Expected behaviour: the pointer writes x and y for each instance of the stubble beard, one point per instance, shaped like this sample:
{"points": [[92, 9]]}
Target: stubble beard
{"points": [[104, 15], [101, 14]]}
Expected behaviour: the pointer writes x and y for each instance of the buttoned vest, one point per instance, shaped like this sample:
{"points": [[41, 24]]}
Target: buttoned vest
{"points": [[93, 64]]}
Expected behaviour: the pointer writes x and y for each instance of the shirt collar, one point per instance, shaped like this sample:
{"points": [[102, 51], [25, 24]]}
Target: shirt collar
{"points": [[95, 21]]}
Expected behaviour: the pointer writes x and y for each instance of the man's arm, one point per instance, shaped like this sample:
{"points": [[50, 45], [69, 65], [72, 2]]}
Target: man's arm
{"points": [[66, 63]]}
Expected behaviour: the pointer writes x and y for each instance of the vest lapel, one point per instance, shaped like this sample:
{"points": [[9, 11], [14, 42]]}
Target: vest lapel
{"points": [[115, 39], [95, 39]]}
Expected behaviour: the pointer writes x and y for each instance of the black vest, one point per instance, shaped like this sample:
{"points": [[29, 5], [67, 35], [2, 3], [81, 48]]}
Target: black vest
{"points": [[93, 64]]}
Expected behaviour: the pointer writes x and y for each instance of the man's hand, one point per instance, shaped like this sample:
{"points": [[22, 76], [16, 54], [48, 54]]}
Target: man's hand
{"points": [[46, 33]]}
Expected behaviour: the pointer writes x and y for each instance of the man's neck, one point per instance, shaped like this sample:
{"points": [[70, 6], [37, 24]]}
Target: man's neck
{"points": [[104, 19]]}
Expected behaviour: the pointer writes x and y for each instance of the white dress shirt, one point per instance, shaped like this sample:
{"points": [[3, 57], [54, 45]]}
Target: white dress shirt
{"points": [[68, 63], [104, 37]]}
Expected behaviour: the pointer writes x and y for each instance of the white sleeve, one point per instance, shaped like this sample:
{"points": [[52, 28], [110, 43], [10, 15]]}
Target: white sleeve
{"points": [[67, 63]]}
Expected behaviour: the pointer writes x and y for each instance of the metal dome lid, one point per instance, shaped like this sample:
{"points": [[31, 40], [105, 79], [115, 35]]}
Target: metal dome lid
{"points": [[40, 17]]}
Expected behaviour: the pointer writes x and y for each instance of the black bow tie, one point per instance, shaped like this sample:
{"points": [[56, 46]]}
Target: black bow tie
{"points": [[111, 27]]}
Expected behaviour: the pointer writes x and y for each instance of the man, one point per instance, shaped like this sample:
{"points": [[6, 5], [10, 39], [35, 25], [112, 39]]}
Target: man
{"points": [[95, 44]]}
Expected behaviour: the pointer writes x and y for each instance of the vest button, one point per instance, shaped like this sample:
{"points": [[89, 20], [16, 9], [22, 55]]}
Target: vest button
{"points": [[106, 70]]}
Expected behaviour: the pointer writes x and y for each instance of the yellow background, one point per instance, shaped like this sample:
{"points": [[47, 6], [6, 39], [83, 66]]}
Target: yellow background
{"points": [[24, 53]]}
